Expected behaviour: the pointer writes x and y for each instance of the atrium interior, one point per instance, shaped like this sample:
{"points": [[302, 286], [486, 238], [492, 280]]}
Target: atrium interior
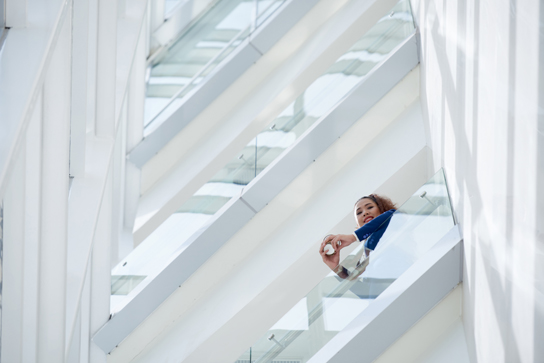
{"points": [[169, 170]]}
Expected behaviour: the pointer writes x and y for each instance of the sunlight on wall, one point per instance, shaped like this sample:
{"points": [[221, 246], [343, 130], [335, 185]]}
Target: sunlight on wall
{"points": [[480, 63]]}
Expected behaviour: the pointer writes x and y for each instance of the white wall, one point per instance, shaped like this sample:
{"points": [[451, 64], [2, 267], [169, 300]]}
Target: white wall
{"points": [[481, 90], [56, 280]]}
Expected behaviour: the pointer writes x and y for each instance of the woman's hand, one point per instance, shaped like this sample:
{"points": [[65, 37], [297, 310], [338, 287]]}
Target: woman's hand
{"points": [[330, 260], [344, 239]]}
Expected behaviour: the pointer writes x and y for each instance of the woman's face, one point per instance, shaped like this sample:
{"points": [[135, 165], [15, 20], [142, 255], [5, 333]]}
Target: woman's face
{"points": [[365, 211]]}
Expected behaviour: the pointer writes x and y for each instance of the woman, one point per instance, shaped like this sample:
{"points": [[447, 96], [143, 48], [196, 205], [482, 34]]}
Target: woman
{"points": [[372, 214]]}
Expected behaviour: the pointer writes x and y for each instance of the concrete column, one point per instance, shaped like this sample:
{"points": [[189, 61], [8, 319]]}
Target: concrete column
{"points": [[13, 260], [54, 207], [91, 66], [73, 353], [118, 162], [106, 68], [106, 48], [16, 13], [101, 271], [33, 176], [85, 311], [80, 47], [156, 18], [135, 127]]}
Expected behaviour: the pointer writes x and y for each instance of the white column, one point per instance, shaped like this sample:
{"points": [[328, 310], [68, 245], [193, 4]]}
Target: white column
{"points": [[106, 48], [106, 68], [80, 52], [73, 353], [122, 8], [101, 271], [85, 311], [54, 208], [13, 259], [16, 13], [91, 66], [135, 127], [33, 175], [118, 195], [156, 18]]}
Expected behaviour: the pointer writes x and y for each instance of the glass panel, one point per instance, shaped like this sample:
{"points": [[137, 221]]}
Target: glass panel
{"points": [[416, 226], [198, 52], [122, 285], [324, 93]]}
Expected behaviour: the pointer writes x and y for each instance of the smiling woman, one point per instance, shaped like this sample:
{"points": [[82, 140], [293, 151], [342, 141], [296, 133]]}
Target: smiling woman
{"points": [[372, 214]]}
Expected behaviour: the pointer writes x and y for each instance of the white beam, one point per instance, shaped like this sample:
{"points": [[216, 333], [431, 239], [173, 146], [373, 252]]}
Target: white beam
{"points": [[54, 208]]}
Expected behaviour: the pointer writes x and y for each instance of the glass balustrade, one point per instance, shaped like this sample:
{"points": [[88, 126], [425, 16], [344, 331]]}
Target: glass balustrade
{"points": [[206, 43], [317, 100], [413, 229]]}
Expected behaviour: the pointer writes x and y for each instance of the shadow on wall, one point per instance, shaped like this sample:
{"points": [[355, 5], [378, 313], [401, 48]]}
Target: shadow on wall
{"points": [[480, 62]]}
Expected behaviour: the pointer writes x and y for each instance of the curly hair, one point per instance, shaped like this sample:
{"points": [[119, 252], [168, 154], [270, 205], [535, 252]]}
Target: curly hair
{"points": [[384, 204]]}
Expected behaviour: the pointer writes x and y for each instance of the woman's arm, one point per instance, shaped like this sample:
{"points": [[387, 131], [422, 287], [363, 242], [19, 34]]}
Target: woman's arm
{"points": [[362, 233]]}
